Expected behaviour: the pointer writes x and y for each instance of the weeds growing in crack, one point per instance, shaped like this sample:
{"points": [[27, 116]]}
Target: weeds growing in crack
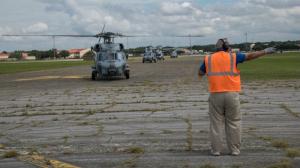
{"points": [[83, 123], [66, 138], [135, 150], [287, 109], [55, 119], [292, 152], [10, 154], [208, 165], [189, 133], [265, 138], [131, 163], [91, 112], [280, 144], [285, 163]]}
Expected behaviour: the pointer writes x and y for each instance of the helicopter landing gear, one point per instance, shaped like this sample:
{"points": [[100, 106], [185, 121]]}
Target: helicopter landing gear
{"points": [[127, 74], [94, 75]]}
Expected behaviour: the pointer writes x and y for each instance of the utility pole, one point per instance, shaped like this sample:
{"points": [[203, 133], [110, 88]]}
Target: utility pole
{"points": [[190, 44], [246, 36], [54, 50]]}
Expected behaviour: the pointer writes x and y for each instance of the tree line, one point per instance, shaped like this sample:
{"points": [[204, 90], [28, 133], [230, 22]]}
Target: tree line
{"points": [[282, 46], [51, 54], [40, 55]]}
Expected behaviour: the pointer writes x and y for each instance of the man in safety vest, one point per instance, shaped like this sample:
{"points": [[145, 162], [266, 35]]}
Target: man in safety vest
{"points": [[224, 87]]}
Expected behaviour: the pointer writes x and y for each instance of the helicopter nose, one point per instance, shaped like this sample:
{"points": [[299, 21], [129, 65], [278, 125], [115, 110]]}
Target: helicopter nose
{"points": [[112, 65]]}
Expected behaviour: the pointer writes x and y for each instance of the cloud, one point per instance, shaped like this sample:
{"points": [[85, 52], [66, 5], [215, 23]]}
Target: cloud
{"points": [[264, 20], [129, 18], [5, 30], [87, 18], [184, 8], [275, 3], [258, 17], [8, 30], [36, 28]]}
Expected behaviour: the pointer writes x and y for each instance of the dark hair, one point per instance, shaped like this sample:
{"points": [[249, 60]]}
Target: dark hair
{"points": [[225, 45]]}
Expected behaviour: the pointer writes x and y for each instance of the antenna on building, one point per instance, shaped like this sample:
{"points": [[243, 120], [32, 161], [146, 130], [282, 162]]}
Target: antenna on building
{"points": [[246, 41]]}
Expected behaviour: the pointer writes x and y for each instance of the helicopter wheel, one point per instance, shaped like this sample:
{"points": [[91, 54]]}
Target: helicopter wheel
{"points": [[127, 75], [94, 75]]}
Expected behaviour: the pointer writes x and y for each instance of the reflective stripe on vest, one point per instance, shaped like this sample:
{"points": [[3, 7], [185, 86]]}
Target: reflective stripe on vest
{"points": [[230, 73]]}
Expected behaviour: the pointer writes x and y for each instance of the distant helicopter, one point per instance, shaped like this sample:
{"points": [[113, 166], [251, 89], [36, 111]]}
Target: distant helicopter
{"points": [[174, 54], [152, 54], [159, 53], [110, 58], [149, 55]]}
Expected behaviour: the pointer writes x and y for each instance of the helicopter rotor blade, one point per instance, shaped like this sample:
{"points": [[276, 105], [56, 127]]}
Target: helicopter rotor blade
{"points": [[101, 33], [134, 35], [45, 35], [189, 36]]}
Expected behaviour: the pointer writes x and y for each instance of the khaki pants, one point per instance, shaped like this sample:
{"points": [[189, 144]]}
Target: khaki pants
{"points": [[225, 107]]}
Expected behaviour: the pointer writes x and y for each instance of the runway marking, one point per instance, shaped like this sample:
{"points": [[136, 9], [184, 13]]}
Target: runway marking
{"points": [[49, 78], [38, 160], [43, 162]]}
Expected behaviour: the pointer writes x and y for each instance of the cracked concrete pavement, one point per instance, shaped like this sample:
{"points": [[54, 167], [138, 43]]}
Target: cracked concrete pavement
{"points": [[157, 118]]}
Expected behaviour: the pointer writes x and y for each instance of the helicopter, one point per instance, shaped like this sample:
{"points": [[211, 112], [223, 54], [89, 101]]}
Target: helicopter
{"points": [[149, 55], [152, 54], [110, 59], [159, 53], [174, 54]]}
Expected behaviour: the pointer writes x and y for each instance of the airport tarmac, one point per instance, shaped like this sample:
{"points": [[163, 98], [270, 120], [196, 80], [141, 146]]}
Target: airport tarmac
{"points": [[157, 118]]}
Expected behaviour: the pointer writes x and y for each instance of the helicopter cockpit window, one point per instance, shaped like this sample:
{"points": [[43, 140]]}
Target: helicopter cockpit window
{"points": [[110, 56]]}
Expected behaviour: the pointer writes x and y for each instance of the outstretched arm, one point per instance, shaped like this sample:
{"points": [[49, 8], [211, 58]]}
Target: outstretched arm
{"points": [[257, 54], [254, 55], [201, 71]]}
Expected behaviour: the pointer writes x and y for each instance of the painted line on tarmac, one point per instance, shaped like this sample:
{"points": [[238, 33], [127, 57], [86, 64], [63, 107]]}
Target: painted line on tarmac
{"points": [[37, 159], [48, 78], [43, 162]]}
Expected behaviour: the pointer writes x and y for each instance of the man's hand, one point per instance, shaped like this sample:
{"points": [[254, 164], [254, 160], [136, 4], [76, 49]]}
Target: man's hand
{"points": [[270, 50], [200, 74]]}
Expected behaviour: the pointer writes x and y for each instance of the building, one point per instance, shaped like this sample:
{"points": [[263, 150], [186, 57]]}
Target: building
{"points": [[77, 53], [4, 56], [236, 50], [25, 56]]}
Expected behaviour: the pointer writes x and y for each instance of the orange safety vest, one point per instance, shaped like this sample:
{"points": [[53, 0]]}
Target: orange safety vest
{"points": [[222, 73]]}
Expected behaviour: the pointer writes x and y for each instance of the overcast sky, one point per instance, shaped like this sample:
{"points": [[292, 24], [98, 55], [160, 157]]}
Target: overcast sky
{"points": [[263, 20]]}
